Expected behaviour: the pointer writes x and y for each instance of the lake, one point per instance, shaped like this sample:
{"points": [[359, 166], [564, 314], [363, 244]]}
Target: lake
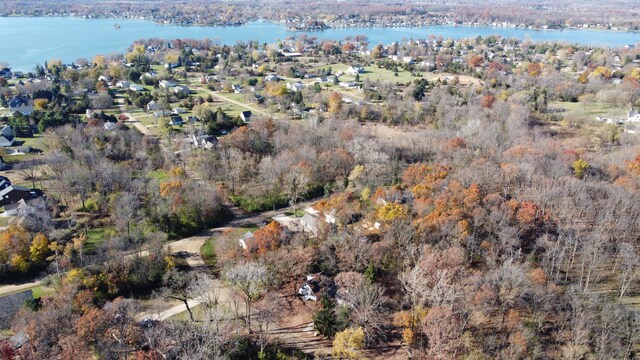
{"points": [[27, 41]]}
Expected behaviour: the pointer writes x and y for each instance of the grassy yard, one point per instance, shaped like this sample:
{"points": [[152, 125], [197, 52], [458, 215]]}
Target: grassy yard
{"points": [[36, 142], [208, 253], [40, 291], [95, 237], [587, 111]]}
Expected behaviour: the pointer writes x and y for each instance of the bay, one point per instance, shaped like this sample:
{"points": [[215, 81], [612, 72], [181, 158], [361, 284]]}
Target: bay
{"points": [[27, 41]]}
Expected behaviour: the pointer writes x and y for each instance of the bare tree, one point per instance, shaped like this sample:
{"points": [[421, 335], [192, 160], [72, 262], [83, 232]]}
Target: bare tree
{"points": [[249, 279], [102, 101], [177, 286], [629, 268], [270, 314]]}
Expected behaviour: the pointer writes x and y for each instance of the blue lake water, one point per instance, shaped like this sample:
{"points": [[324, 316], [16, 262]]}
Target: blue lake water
{"points": [[27, 41]]}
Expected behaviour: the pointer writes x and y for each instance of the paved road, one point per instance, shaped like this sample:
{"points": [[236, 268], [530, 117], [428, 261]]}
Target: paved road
{"points": [[132, 119]]}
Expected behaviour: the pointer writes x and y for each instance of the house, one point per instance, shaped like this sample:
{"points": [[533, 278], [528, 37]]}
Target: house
{"points": [[291, 54], [106, 79], [349, 84], [247, 242], [316, 285], [11, 194], [7, 132], [5, 73], [153, 105], [123, 84], [179, 110], [272, 77], [20, 104], [29, 207], [204, 141], [136, 87], [4, 142], [176, 120], [110, 126], [295, 86], [236, 88], [166, 84], [161, 113], [181, 90], [356, 69], [150, 75], [206, 79], [246, 116]]}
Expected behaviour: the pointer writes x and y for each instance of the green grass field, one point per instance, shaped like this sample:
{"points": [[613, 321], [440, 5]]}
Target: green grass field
{"points": [[588, 111], [208, 253], [95, 237], [161, 175]]}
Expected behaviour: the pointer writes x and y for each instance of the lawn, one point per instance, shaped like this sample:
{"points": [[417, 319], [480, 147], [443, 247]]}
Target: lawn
{"points": [[208, 253], [95, 237], [588, 111], [40, 291], [36, 142]]}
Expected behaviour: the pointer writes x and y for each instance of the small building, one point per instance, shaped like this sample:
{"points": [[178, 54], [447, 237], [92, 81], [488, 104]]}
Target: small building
{"points": [[5, 73], [153, 105], [204, 141], [176, 120], [161, 113], [247, 241], [291, 54], [4, 142], [166, 84], [295, 86], [179, 110], [20, 104], [7, 131], [246, 116], [272, 77], [355, 69], [236, 88], [136, 87], [181, 90], [349, 84], [123, 84]]}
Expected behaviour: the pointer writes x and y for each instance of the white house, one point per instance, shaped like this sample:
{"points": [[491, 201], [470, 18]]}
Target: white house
{"points": [[295, 86], [135, 87], [166, 84], [153, 106], [355, 69]]}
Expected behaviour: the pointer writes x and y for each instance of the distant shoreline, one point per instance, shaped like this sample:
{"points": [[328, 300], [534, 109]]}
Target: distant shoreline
{"points": [[329, 26]]}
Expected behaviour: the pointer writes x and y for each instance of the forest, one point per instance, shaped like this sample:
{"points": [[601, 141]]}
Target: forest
{"points": [[466, 204]]}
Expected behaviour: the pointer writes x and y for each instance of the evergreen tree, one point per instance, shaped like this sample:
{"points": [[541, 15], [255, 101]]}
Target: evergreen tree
{"points": [[325, 320]]}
